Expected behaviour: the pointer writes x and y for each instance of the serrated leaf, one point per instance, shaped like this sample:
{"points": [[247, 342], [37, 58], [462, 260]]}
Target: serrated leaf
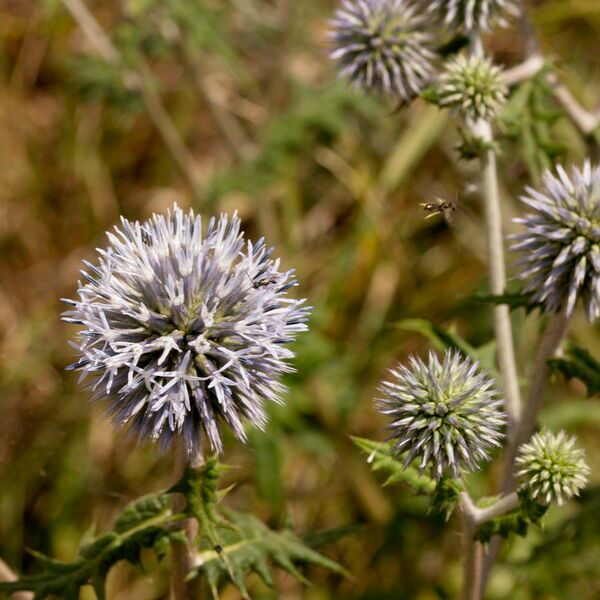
{"points": [[232, 545], [250, 546], [580, 364], [141, 525], [382, 458]]}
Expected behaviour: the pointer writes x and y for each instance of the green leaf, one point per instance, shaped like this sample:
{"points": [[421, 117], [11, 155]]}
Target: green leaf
{"points": [[232, 545], [143, 524], [249, 546], [446, 495], [382, 458], [528, 122], [578, 363], [513, 300], [440, 338]]}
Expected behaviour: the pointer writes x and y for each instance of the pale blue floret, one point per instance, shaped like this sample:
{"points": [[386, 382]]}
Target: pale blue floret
{"points": [[472, 15], [560, 247], [184, 328], [383, 46]]}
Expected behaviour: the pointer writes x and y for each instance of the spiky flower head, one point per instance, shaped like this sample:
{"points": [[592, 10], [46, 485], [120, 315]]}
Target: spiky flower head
{"points": [[472, 15], [551, 469], [383, 46], [184, 328], [561, 244], [445, 413], [474, 86]]}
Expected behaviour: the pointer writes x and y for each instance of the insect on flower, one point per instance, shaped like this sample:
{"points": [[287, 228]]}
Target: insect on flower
{"points": [[174, 340], [262, 282]]}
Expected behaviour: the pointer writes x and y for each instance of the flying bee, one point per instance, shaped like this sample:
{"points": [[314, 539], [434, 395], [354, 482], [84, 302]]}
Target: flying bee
{"points": [[262, 282], [146, 238], [446, 208]]}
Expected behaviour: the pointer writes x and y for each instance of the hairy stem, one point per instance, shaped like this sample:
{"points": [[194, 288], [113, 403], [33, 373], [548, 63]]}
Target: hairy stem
{"points": [[181, 557]]}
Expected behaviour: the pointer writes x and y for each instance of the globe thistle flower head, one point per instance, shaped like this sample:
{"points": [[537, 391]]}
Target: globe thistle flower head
{"points": [[383, 46], [473, 86], [445, 413], [185, 328], [561, 244], [473, 15], [551, 469]]}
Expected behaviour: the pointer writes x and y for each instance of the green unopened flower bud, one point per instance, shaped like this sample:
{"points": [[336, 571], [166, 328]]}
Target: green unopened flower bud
{"points": [[551, 469], [473, 86]]}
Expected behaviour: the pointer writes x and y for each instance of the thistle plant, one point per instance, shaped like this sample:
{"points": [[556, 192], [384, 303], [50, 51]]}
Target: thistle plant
{"points": [[447, 414], [560, 246], [551, 469], [383, 46], [472, 15], [185, 328], [473, 86]]}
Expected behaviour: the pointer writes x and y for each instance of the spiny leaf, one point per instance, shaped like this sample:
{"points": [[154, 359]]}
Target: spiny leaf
{"points": [[528, 121], [250, 546], [578, 363], [143, 524], [382, 458], [232, 545]]}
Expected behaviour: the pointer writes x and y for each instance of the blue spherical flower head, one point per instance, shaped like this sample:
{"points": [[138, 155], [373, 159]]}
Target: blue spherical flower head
{"points": [[185, 327], [472, 15], [561, 244], [446, 414], [383, 46]]}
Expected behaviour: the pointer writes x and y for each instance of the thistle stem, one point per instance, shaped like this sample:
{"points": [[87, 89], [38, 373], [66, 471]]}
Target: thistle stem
{"points": [[7, 574], [473, 551], [181, 558], [551, 340], [497, 279], [472, 561]]}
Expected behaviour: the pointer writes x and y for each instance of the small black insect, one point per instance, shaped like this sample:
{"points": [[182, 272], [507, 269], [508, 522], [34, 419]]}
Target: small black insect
{"points": [[263, 282], [218, 548], [146, 238], [446, 208]]}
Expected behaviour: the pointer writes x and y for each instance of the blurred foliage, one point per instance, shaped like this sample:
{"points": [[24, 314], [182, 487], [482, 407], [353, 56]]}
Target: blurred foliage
{"points": [[334, 181]]}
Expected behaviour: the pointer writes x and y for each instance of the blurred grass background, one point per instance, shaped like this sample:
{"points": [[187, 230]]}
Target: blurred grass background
{"points": [[333, 179]]}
